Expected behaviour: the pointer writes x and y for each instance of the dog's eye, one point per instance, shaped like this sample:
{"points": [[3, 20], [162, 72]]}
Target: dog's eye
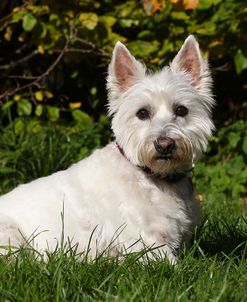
{"points": [[143, 114], [181, 111]]}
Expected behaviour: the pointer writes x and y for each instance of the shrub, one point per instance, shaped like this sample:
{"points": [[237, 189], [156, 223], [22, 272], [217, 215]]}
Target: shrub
{"points": [[223, 172], [54, 54], [31, 149]]}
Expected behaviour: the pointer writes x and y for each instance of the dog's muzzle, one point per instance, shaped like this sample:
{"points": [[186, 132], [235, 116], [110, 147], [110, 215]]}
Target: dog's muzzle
{"points": [[164, 146]]}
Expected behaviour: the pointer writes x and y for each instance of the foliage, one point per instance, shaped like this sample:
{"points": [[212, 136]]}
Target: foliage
{"points": [[225, 170], [54, 54], [31, 149]]}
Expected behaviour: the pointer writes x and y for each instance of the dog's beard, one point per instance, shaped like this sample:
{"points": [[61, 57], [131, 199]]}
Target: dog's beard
{"points": [[138, 146], [181, 159]]}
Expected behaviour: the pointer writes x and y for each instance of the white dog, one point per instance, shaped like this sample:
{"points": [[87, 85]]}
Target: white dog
{"points": [[137, 190]]}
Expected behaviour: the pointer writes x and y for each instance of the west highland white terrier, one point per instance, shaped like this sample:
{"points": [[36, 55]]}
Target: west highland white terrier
{"points": [[136, 191]]}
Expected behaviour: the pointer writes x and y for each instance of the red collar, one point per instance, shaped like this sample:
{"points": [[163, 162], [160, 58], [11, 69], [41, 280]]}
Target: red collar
{"points": [[120, 150]]}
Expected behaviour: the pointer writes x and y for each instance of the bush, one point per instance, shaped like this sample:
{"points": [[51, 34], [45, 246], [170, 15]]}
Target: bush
{"points": [[223, 172], [31, 149], [54, 54]]}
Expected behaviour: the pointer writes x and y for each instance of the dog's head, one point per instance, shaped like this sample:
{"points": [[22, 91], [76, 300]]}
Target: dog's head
{"points": [[161, 121]]}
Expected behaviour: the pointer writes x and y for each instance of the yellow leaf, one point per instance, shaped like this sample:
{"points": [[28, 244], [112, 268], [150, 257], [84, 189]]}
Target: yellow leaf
{"points": [[215, 43], [74, 105], [41, 49], [97, 4], [155, 60], [89, 20], [17, 97], [22, 37], [199, 198], [39, 96], [48, 94], [8, 33], [70, 13], [16, 9]]}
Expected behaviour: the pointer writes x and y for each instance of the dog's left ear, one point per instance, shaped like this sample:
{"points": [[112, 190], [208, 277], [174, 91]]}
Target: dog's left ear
{"points": [[190, 61], [124, 71]]}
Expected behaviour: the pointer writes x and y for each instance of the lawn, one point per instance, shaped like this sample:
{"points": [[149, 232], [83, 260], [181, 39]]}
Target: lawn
{"points": [[213, 269]]}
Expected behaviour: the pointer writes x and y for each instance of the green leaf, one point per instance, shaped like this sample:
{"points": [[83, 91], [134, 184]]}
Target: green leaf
{"points": [[128, 23], [74, 74], [53, 113], [39, 110], [24, 107], [82, 118], [33, 126], [217, 1], [6, 170], [240, 61], [245, 145], [236, 165], [143, 48], [7, 105], [233, 138], [19, 126], [144, 34], [179, 15], [89, 20], [29, 21], [205, 4], [17, 17], [208, 29], [237, 189], [109, 21]]}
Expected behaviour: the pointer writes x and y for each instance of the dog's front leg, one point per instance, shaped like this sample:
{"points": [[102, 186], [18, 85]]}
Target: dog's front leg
{"points": [[10, 235]]}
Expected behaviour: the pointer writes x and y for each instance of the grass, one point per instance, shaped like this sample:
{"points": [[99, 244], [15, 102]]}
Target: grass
{"points": [[213, 269], [207, 272]]}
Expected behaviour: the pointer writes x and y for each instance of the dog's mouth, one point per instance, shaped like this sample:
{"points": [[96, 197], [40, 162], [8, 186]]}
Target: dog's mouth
{"points": [[163, 157]]}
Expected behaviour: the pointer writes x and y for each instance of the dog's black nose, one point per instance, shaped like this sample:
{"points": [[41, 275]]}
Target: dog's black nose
{"points": [[164, 145]]}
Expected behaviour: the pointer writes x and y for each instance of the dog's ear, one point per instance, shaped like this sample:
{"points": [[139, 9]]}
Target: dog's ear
{"points": [[190, 61], [124, 70]]}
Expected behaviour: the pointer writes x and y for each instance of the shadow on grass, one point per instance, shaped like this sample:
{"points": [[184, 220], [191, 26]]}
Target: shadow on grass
{"points": [[222, 238]]}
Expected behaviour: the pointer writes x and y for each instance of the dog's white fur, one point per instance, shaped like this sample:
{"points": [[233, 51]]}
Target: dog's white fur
{"points": [[108, 196]]}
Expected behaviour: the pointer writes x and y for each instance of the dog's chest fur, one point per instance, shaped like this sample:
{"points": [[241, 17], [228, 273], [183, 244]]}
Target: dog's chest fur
{"points": [[141, 206]]}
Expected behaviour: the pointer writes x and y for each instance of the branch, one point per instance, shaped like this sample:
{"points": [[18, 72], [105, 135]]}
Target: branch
{"points": [[20, 61], [224, 67], [4, 18], [96, 50], [38, 78], [92, 45]]}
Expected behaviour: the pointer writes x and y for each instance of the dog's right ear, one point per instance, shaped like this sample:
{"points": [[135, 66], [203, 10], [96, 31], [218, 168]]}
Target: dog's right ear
{"points": [[124, 70], [189, 60]]}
